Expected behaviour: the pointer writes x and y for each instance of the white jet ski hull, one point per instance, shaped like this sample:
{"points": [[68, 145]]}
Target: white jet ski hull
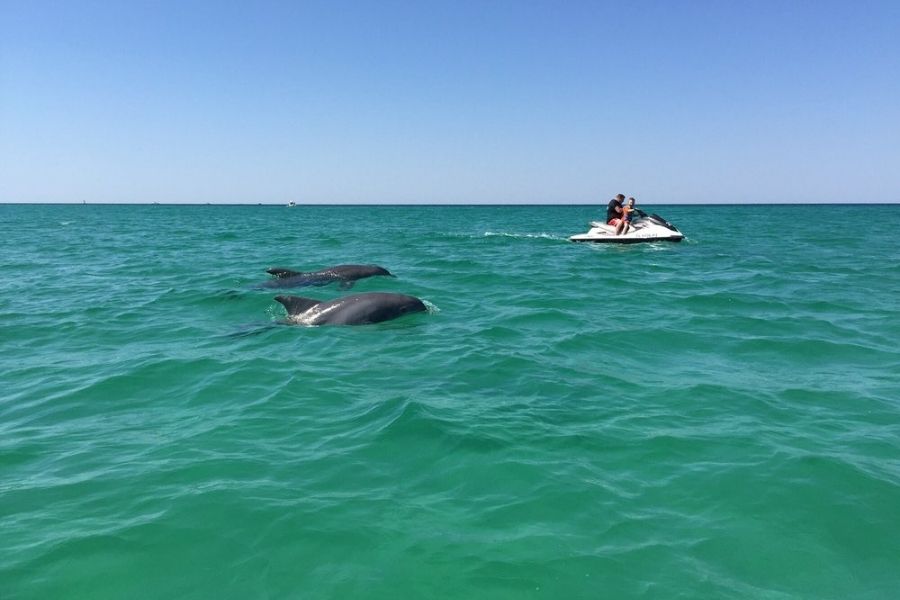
{"points": [[651, 228]]}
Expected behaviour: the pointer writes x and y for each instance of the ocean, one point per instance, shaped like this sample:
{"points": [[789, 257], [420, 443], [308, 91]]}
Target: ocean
{"points": [[718, 418]]}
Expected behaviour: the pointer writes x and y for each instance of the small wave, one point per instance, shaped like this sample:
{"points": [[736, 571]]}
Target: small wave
{"points": [[251, 329]]}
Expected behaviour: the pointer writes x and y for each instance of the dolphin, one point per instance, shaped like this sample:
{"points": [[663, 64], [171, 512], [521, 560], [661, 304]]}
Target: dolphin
{"points": [[355, 309], [347, 275]]}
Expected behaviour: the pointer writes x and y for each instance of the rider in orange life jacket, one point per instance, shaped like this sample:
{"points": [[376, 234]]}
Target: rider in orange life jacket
{"points": [[627, 215]]}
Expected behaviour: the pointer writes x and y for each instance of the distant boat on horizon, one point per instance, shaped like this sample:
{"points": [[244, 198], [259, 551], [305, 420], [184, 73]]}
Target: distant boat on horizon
{"points": [[291, 204]]}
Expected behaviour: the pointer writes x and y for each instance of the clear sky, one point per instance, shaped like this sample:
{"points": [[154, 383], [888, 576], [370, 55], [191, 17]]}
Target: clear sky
{"points": [[449, 101]]}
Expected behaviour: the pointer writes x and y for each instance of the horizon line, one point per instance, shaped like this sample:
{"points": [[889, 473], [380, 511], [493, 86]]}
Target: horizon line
{"points": [[442, 204]]}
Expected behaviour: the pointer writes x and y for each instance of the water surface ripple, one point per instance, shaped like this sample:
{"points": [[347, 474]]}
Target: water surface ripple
{"points": [[714, 419]]}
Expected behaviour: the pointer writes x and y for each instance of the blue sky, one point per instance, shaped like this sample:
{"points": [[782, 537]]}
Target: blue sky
{"points": [[449, 102]]}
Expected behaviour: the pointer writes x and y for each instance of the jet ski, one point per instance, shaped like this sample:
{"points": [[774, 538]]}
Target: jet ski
{"points": [[644, 228]]}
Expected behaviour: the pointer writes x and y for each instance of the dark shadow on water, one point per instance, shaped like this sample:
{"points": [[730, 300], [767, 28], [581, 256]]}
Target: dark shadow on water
{"points": [[232, 294], [251, 329]]}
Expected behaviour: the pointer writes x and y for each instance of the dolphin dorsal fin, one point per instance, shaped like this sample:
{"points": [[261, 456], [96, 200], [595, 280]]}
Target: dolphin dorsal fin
{"points": [[296, 305], [280, 273]]}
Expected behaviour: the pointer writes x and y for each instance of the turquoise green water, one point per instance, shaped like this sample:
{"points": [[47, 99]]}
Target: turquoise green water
{"points": [[713, 419]]}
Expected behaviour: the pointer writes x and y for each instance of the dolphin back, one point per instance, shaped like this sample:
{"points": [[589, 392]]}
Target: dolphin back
{"points": [[356, 309], [281, 273], [373, 307], [346, 275]]}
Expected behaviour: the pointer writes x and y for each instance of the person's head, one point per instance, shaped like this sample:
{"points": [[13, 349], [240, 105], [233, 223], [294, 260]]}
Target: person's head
{"points": [[620, 197], [631, 202]]}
